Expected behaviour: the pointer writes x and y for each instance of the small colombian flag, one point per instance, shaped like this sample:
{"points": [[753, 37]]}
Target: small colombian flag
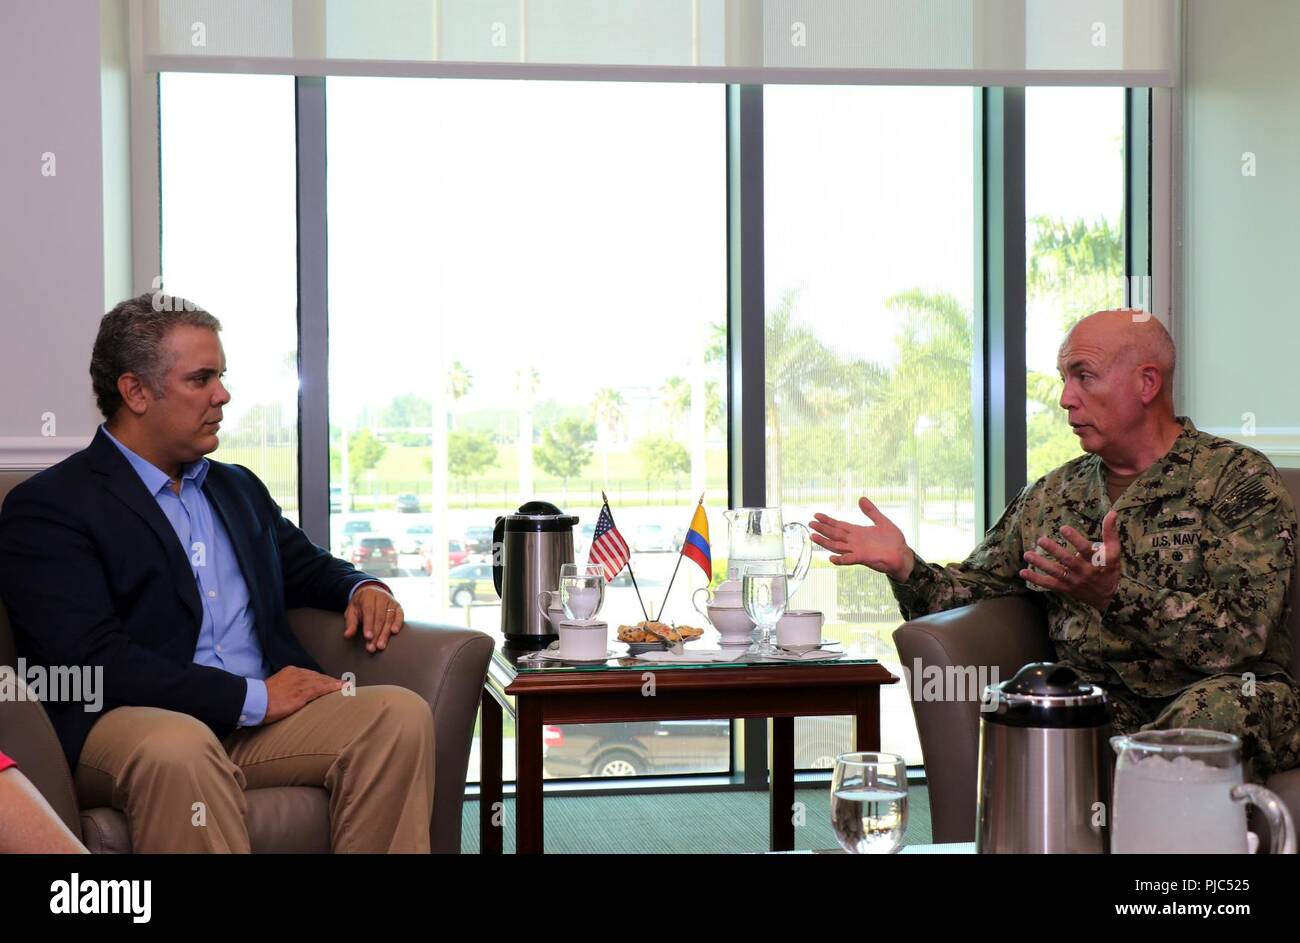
{"points": [[696, 544]]}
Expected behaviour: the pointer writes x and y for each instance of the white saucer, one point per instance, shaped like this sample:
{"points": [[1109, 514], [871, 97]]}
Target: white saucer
{"points": [[553, 654]]}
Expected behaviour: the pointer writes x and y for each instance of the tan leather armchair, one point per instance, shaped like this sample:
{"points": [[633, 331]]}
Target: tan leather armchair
{"points": [[443, 664], [1009, 632]]}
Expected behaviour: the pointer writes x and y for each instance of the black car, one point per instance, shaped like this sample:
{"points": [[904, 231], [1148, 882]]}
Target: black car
{"points": [[677, 746], [469, 582]]}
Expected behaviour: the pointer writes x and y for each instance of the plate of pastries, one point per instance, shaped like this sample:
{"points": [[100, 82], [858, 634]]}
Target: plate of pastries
{"points": [[649, 636]]}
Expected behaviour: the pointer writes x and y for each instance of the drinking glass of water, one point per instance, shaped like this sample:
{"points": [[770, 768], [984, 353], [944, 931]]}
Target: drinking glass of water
{"points": [[582, 590], [869, 802], [763, 592]]}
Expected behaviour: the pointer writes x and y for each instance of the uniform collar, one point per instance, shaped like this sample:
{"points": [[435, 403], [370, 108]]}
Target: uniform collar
{"points": [[1168, 476]]}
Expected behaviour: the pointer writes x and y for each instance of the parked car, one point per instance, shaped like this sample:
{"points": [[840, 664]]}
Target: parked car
{"points": [[470, 582], [350, 531], [478, 539], [408, 503], [677, 746], [456, 555], [582, 540], [336, 499], [652, 537], [416, 536], [376, 556]]}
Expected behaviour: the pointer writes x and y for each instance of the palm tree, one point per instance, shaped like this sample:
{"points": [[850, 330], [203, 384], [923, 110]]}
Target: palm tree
{"points": [[799, 372], [930, 388], [677, 397], [607, 410], [459, 382]]}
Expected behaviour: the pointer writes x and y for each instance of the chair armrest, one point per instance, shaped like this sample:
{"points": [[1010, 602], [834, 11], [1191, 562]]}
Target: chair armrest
{"points": [[28, 738], [992, 639], [446, 665]]}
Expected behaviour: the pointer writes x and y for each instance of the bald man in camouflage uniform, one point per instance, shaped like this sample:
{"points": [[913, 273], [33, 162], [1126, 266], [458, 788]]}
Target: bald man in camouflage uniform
{"points": [[1164, 555]]}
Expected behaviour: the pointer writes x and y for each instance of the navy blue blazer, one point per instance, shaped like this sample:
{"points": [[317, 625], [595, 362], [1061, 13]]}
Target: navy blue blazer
{"points": [[92, 573]]}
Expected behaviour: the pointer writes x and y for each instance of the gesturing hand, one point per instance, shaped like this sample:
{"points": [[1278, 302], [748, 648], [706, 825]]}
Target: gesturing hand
{"points": [[881, 547], [1082, 571]]}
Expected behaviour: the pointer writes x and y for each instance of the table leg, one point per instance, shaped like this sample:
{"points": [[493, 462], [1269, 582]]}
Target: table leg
{"points": [[781, 767], [491, 808], [866, 724], [528, 776]]}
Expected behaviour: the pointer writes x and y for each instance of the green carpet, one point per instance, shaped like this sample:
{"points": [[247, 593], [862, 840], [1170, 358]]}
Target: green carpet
{"points": [[681, 823]]}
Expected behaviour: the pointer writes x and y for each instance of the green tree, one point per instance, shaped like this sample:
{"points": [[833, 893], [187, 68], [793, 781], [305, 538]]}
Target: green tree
{"points": [[715, 349], [676, 392], [364, 453], [662, 456], [469, 453], [459, 381], [407, 411], [1075, 268], [800, 371], [921, 423], [565, 449]]}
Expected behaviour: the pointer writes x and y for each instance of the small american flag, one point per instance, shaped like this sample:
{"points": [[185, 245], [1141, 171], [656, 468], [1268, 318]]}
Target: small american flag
{"points": [[608, 548]]}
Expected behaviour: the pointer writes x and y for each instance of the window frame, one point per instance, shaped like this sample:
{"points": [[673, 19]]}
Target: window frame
{"points": [[998, 377]]}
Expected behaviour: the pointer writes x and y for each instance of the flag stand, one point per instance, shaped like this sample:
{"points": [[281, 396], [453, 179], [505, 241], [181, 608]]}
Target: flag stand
{"points": [[680, 554], [628, 565]]}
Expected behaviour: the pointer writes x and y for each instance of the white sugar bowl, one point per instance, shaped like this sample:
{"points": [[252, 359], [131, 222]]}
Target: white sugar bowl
{"points": [[726, 596], [734, 625]]}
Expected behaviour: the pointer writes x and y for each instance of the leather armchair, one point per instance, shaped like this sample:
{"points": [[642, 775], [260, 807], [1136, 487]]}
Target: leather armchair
{"points": [[443, 664], [1009, 632]]}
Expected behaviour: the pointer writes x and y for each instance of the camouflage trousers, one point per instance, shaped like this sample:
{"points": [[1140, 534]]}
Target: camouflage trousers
{"points": [[1267, 718]]}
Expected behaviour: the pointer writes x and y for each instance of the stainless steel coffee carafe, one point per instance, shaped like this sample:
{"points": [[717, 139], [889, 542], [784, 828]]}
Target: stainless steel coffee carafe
{"points": [[528, 549], [1044, 764]]}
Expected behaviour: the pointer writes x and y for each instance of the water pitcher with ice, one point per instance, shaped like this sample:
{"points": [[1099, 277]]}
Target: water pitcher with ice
{"points": [[756, 535], [1180, 792]]}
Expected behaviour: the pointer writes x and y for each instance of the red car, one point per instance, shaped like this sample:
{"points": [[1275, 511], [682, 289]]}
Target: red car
{"points": [[376, 556], [456, 555]]}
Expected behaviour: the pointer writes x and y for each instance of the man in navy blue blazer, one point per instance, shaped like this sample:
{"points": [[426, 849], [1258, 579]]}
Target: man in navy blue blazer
{"points": [[172, 574]]}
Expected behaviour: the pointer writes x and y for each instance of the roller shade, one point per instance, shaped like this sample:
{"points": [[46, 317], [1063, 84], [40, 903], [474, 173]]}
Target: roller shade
{"points": [[956, 42]]}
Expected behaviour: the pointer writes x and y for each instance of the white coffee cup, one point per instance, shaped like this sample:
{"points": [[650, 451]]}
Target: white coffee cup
{"points": [[587, 639], [800, 627]]}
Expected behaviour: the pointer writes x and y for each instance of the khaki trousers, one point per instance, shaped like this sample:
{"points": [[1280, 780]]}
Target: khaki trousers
{"points": [[372, 750]]}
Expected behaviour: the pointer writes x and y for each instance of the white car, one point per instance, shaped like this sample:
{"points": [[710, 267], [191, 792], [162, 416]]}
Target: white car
{"points": [[652, 537]]}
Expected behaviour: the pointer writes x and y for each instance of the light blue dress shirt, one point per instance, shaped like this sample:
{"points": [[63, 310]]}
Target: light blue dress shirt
{"points": [[227, 637]]}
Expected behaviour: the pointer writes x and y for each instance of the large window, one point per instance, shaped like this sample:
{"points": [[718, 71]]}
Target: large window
{"points": [[869, 203], [538, 271], [229, 244], [1074, 225], [528, 293]]}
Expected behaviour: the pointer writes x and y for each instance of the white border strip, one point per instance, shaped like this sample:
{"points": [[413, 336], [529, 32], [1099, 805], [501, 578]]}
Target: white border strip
{"points": [[735, 75]]}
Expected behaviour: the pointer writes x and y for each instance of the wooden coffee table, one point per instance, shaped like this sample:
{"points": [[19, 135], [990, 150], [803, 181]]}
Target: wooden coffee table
{"points": [[613, 692]]}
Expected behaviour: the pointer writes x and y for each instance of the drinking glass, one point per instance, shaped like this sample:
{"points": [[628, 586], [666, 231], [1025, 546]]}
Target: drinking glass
{"points": [[869, 802], [582, 590], [763, 592]]}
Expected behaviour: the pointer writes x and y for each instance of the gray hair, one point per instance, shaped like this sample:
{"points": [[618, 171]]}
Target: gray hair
{"points": [[130, 340]]}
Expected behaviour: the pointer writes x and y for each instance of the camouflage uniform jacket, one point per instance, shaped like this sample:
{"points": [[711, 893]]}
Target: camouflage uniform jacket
{"points": [[1206, 541]]}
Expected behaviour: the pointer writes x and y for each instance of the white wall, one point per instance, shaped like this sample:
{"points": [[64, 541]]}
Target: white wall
{"points": [[1241, 261], [52, 233]]}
